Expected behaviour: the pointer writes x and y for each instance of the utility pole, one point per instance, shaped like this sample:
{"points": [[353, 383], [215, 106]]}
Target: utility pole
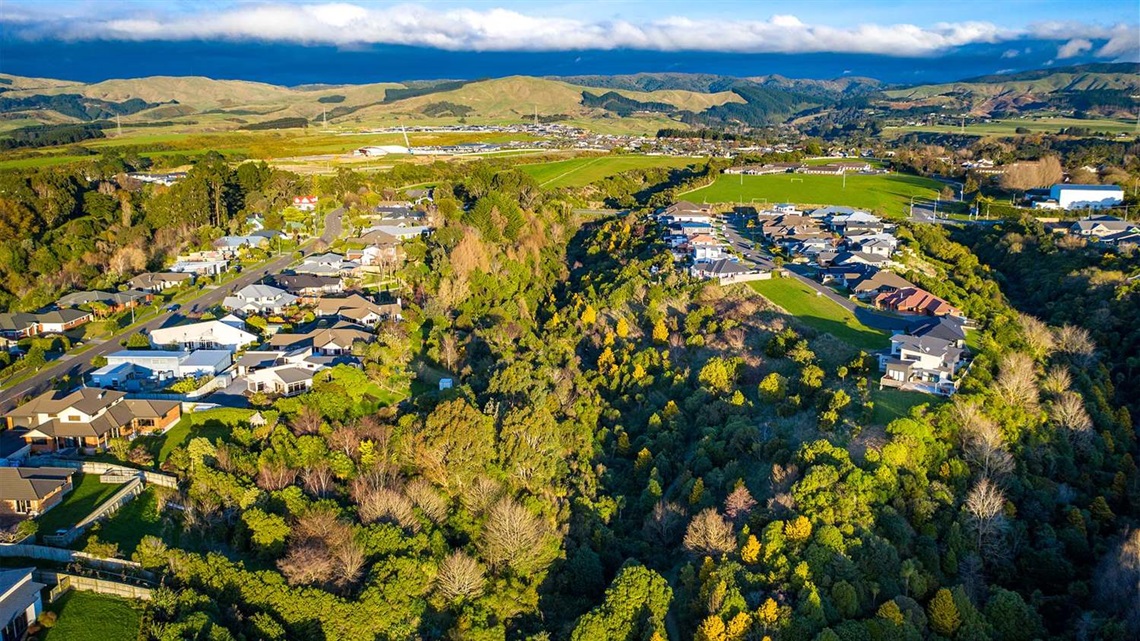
{"points": [[118, 126]]}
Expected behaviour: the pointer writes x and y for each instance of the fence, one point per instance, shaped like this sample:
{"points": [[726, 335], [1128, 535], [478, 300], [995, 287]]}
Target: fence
{"points": [[61, 555], [102, 469], [62, 582]]}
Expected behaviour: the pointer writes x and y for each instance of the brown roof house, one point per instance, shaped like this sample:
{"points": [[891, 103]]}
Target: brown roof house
{"points": [[916, 301], [31, 491], [88, 418], [357, 309]]}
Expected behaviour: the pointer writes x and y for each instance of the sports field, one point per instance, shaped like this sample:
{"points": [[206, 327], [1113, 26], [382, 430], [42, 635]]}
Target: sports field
{"points": [[1034, 125], [577, 172], [887, 194], [819, 312]]}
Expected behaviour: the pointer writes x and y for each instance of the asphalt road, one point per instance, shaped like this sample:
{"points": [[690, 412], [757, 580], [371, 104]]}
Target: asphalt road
{"points": [[78, 366]]}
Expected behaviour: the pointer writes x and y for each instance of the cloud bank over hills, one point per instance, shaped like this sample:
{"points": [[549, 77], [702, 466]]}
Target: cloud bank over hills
{"points": [[492, 29]]}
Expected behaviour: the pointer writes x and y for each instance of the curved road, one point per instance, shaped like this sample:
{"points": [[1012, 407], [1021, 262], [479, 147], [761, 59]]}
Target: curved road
{"points": [[78, 366]]}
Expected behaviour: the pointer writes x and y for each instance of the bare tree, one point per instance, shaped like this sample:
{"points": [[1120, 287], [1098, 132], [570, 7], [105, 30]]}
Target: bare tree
{"points": [[449, 350], [985, 505], [739, 503], [1057, 380], [983, 442], [1068, 412], [460, 577], [273, 475], [709, 534], [1037, 335], [307, 421], [380, 503], [1118, 582], [513, 537], [344, 438], [307, 563], [318, 479], [1076, 342], [425, 497], [1017, 380], [481, 494], [664, 523]]}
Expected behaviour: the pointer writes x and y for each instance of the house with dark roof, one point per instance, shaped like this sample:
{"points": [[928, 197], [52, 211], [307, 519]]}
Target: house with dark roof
{"points": [[921, 363], [868, 284], [114, 301], [23, 325], [357, 309], [260, 299], [20, 603], [309, 287], [729, 271], [31, 491], [88, 418]]}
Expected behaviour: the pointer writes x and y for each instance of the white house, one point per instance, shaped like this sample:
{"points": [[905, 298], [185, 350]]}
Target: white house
{"points": [[923, 363], [20, 602], [158, 365], [260, 299], [305, 203], [200, 267], [1103, 226], [215, 334], [1086, 196]]}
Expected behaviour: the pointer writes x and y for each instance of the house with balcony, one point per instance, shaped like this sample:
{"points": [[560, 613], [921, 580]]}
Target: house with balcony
{"points": [[922, 363], [260, 299]]}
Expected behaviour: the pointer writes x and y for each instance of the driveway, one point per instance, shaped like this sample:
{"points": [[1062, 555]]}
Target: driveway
{"points": [[79, 365]]}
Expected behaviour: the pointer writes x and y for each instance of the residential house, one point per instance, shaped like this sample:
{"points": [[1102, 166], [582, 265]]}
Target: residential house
{"points": [[59, 321], [882, 244], [689, 229], [20, 603], [860, 258], [1087, 196], [128, 365], [821, 170], [231, 246], [855, 223], [949, 329], [869, 284], [160, 281], [309, 287], [214, 334], [115, 302], [328, 264], [1103, 226], [305, 203], [921, 363], [916, 301], [31, 491], [400, 232], [729, 271], [290, 373], [87, 418], [200, 264], [683, 211], [260, 299], [335, 340], [357, 309]]}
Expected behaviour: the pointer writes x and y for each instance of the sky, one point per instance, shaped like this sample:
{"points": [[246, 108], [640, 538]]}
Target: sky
{"points": [[293, 42]]}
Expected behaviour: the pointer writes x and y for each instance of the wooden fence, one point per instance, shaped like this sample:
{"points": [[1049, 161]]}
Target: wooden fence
{"points": [[62, 555], [61, 582]]}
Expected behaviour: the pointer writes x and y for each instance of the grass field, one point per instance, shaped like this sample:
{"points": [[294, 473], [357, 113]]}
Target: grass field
{"points": [[820, 312], [86, 615], [1039, 125], [577, 172], [892, 403], [887, 194], [83, 498]]}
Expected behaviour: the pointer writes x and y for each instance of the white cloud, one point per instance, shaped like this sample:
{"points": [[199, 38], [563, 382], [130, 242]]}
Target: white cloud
{"points": [[1074, 48], [1010, 53], [495, 29]]}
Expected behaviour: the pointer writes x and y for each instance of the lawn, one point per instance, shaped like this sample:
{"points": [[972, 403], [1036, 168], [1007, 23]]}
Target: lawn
{"points": [[129, 524], [1037, 125], [86, 615], [892, 403], [885, 194], [820, 312], [87, 494], [576, 172], [211, 424]]}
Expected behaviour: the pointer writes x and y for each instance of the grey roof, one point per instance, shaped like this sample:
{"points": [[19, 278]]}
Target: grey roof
{"points": [[20, 591], [260, 291], [293, 374], [942, 327], [725, 267], [31, 483], [929, 345], [152, 279]]}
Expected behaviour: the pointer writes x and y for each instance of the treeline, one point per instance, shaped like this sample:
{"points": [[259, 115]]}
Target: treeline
{"points": [[277, 123], [700, 134], [438, 109], [76, 105], [394, 94], [623, 106], [51, 135], [762, 106]]}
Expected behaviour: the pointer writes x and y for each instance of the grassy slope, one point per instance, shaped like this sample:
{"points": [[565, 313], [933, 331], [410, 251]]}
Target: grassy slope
{"points": [[892, 403], [87, 494], [888, 194], [576, 172], [84, 616], [129, 524], [819, 312], [210, 424], [1055, 82], [1035, 125]]}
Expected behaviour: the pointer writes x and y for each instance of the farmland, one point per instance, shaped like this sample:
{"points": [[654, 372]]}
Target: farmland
{"points": [[887, 194], [577, 172], [1009, 127]]}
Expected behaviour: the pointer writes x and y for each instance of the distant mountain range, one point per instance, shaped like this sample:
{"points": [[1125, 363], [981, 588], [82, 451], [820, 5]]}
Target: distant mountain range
{"points": [[640, 100]]}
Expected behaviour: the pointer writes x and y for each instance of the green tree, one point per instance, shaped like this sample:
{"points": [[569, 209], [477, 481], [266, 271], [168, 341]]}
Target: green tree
{"points": [[633, 608], [943, 613]]}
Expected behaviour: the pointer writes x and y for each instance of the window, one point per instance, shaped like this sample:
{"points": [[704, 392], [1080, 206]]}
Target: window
{"points": [[23, 507], [73, 418]]}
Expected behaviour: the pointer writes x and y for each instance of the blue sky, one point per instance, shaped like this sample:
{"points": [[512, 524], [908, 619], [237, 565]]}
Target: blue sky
{"points": [[68, 38]]}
